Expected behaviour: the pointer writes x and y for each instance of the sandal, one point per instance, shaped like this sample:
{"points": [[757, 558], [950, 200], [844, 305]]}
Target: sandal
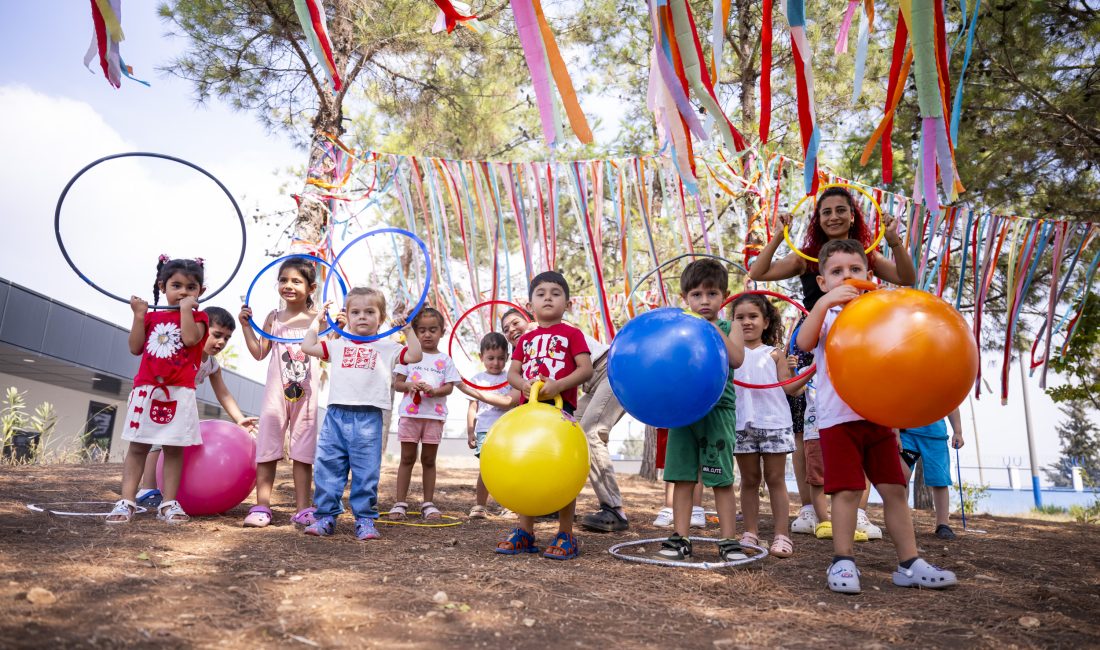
{"points": [[782, 546], [429, 512], [605, 520], [479, 512], [258, 517], [520, 541], [398, 511], [172, 512], [304, 517], [122, 512], [565, 547], [749, 539], [675, 548]]}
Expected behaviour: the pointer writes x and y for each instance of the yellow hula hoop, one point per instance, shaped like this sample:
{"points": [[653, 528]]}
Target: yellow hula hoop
{"points": [[449, 521], [878, 209]]}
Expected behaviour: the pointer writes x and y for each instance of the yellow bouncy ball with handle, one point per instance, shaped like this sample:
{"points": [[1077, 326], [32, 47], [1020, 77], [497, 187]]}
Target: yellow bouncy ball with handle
{"points": [[535, 459]]}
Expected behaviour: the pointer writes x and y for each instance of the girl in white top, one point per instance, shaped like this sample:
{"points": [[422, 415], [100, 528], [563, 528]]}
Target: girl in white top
{"points": [[764, 434]]}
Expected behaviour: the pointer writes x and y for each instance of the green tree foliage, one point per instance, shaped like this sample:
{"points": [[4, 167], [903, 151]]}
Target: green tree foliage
{"points": [[1080, 446], [1080, 363]]}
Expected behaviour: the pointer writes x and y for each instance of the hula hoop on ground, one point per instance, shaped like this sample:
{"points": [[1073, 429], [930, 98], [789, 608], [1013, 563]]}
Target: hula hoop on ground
{"points": [[248, 296], [630, 296], [878, 209], [451, 521], [615, 551], [146, 154], [41, 507], [805, 373], [454, 329], [423, 294]]}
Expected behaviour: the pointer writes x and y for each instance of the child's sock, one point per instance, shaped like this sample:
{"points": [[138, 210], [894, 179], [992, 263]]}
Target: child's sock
{"points": [[142, 492], [838, 558], [908, 563]]}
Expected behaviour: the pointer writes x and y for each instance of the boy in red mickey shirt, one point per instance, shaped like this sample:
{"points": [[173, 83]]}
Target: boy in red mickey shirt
{"points": [[557, 355]]}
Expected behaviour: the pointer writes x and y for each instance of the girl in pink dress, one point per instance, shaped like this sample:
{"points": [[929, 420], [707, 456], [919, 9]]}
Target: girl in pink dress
{"points": [[290, 398], [162, 409]]}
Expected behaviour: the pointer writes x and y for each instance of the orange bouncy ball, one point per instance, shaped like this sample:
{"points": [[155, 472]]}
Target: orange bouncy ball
{"points": [[901, 357]]}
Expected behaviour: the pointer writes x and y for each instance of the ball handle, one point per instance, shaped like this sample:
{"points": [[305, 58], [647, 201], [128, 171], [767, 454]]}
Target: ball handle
{"points": [[863, 285], [534, 398]]}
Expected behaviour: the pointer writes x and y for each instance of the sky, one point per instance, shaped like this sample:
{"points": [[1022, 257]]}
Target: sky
{"points": [[58, 117]]}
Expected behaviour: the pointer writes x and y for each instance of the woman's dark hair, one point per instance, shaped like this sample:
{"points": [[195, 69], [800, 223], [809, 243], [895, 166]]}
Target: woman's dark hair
{"points": [[815, 235], [494, 341], [221, 318], [773, 333], [522, 314], [307, 270], [429, 312], [166, 268]]}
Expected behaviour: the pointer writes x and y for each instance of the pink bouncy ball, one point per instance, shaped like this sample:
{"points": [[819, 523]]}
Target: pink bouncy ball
{"points": [[218, 474]]}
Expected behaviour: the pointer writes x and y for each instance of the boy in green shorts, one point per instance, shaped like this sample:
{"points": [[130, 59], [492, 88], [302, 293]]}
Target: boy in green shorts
{"points": [[705, 448]]}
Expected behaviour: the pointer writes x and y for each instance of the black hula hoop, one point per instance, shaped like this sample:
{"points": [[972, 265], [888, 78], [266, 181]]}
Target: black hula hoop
{"points": [[630, 296], [146, 154]]}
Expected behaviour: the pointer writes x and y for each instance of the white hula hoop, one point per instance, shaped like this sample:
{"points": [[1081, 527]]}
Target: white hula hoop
{"points": [[614, 551], [40, 507]]}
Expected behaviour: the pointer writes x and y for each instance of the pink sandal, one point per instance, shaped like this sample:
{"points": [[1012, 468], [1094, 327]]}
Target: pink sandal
{"points": [[305, 517], [781, 546], [258, 517]]}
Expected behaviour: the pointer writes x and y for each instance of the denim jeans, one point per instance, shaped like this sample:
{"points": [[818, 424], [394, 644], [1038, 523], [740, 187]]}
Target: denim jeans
{"points": [[350, 439]]}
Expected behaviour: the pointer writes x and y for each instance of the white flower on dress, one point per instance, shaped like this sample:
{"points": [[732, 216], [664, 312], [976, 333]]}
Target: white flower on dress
{"points": [[165, 340]]}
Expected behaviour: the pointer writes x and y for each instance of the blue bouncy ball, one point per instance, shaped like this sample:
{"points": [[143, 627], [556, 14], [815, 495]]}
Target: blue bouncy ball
{"points": [[668, 367]]}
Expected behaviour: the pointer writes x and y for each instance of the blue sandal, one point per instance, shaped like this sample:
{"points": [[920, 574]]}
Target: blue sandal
{"points": [[565, 547], [520, 541]]}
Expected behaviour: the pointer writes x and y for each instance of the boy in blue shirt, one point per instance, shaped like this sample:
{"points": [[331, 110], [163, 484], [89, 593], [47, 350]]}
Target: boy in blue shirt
{"points": [[929, 444]]}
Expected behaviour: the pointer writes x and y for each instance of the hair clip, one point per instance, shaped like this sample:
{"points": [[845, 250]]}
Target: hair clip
{"points": [[164, 259], [200, 261]]}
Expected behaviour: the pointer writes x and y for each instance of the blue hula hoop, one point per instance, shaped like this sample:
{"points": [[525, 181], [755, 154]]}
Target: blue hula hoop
{"points": [[423, 294], [248, 296]]}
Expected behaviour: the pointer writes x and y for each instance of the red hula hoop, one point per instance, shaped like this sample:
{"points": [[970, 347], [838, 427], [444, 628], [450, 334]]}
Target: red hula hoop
{"points": [[454, 330], [779, 384]]}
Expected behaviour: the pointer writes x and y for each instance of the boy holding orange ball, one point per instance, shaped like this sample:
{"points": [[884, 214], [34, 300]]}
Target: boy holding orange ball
{"points": [[852, 446]]}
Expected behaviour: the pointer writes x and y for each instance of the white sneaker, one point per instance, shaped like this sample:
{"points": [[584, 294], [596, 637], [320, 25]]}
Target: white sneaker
{"points": [[864, 525], [806, 521], [664, 518], [698, 517]]}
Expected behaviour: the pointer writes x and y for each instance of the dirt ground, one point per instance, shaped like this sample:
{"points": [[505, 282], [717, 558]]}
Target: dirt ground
{"points": [[213, 583]]}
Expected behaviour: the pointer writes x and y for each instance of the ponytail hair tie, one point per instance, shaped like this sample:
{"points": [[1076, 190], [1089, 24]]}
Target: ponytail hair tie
{"points": [[200, 261], [164, 259]]}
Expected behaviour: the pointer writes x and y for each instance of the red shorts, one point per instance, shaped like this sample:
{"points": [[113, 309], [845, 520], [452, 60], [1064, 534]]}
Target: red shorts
{"points": [[853, 449], [662, 442], [815, 466]]}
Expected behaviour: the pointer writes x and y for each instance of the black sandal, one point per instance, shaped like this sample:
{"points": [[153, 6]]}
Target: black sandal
{"points": [[605, 520], [675, 548]]}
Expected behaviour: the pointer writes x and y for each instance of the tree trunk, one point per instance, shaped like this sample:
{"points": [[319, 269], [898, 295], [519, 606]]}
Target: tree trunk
{"points": [[748, 35], [922, 494], [649, 455]]}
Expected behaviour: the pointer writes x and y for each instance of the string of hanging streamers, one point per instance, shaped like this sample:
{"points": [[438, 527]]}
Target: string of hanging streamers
{"points": [[311, 14], [490, 226], [795, 13], [106, 36]]}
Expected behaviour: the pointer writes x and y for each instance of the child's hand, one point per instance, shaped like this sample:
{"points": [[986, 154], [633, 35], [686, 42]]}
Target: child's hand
{"points": [[471, 439], [841, 295], [550, 388], [139, 306], [424, 387], [249, 425], [890, 224], [244, 316], [957, 441], [784, 219], [322, 313], [188, 303], [525, 388], [792, 362]]}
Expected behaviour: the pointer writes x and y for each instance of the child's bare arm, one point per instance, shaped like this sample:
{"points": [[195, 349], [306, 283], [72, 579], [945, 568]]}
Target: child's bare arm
{"points": [[137, 329], [471, 421], [256, 347], [401, 383], [311, 344], [810, 331], [228, 402], [735, 345], [796, 387], [516, 380], [442, 391], [191, 332]]}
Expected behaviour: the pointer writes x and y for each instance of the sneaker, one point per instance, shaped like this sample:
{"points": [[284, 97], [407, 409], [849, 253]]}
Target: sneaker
{"points": [[364, 529], [943, 531], [698, 517], [730, 550], [150, 499], [806, 521], [605, 520], [675, 548], [863, 524], [843, 577], [322, 527], [479, 512], [664, 518], [923, 574], [824, 530]]}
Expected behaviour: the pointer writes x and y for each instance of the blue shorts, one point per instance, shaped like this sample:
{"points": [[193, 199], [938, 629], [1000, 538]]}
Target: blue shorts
{"points": [[933, 451], [479, 439]]}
